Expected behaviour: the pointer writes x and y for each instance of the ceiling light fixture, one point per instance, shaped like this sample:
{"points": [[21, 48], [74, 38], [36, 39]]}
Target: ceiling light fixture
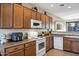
{"points": [[69, 6], [52, 5]]}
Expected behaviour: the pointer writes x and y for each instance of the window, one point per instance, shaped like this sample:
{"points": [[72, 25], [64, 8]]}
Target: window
{"points": [[72, 26]]}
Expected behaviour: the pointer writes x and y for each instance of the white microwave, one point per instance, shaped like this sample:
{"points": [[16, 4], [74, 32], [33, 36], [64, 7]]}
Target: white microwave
{"points": [[36, 23]]}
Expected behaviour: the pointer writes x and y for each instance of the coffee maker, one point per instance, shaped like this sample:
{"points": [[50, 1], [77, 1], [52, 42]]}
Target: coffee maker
{"points": [[15, 37]]}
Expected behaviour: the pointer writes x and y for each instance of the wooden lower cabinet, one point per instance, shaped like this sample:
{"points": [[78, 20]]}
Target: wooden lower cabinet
{"points": [[75, 46], [27, 49], [67, 44], [49, 43], [30, 51], [71, 44], [17, 53]]}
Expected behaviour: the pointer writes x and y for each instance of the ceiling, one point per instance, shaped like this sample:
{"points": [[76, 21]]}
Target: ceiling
{"points": [[61, 11]]}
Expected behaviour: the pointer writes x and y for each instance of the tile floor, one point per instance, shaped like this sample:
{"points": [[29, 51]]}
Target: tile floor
{"points": [[55, 52]]}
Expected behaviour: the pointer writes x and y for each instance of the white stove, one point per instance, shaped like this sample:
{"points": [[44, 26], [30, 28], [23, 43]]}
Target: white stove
{"points": [[40, 43], [40, 46]]}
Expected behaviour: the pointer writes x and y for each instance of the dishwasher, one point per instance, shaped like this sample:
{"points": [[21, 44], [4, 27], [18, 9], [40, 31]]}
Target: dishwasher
{"points": [[58, 42]]}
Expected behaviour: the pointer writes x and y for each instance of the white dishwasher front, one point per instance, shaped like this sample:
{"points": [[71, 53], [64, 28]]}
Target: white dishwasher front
{"points": [[58, 42]]}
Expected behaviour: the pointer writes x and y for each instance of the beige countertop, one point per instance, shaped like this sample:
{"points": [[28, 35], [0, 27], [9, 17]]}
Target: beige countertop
{"points": [[9, 44], [66, 33], [73, 35]]}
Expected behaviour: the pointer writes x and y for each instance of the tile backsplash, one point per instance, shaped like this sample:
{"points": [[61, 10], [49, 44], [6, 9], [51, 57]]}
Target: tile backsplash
{"points": [[8, 32]]}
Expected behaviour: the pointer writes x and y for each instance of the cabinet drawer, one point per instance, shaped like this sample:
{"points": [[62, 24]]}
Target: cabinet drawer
{"points": [[30, 43], [14, 48], [17, 53]]}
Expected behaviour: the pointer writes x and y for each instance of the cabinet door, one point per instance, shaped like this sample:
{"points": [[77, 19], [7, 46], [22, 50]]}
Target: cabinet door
{"points": [[18, 16], [51, 20], [27, 18], [38, 16], [30, 51], [34, 14], [43, 21], [17, 53], [75, 46], [67, 44], [6, 15], [47, 22], [47, 43], [51, 42]]}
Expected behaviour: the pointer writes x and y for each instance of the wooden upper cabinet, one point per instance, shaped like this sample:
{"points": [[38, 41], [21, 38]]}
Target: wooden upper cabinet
{"points": [[38, 17], [43, 21], [18, 16], [47, 22], [34, 13], [6, 15], [67, 44], [27, 18], [51, 20]]}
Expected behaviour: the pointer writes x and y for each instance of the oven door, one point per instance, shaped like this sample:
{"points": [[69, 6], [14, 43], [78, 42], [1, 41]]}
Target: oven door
{"points": [[40, 46], [36, 24]]}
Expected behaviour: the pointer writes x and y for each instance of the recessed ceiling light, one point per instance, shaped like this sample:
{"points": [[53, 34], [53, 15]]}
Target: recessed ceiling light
{"points": [[52, 5], [69, 6]]}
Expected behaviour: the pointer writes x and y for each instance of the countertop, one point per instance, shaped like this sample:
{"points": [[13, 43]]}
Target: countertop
{"points": [[65, 33], [9, 44], [73, 35]]}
